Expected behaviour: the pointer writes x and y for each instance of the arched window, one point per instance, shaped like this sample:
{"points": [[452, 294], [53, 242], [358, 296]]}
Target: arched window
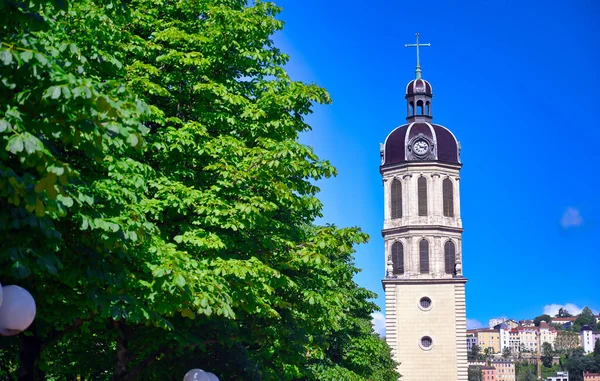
{"points": [[448, 198], [412, 108], [450, 257], [398, 258], [396, 199], [422, 190], [427, 108], [420, 107], [424, 256]]}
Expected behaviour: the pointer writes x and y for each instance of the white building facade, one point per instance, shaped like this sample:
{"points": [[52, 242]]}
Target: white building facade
{"points": [[587, 339]]}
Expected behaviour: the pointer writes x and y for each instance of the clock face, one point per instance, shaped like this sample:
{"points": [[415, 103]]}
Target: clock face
{"points": [[420, 147]]}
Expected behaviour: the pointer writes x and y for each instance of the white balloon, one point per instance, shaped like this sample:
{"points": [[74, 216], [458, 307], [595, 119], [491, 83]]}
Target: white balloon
{"points": [[212, 376], [17, 310], [196, 375]]}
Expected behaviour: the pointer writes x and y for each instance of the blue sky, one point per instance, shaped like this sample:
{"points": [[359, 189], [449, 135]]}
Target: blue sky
{"points": [[518, 84]]}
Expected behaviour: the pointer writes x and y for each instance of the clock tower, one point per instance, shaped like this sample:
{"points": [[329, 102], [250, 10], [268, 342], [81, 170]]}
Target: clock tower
{"points": [[422, 230]]}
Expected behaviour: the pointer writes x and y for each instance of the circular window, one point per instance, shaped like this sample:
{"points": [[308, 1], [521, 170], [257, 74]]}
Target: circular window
{"points": [[425, 303], [426, 342]]}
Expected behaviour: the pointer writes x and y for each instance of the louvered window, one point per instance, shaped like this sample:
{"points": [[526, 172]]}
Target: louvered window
{"points": [[448, 196], [398, 258], [396, 199], [422, 185], [450, 257], [424, 256]]}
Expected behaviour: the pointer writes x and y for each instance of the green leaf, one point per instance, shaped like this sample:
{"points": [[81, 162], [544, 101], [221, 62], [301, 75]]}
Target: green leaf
{"points": [[4, 125], [179, 281], [55, 92], [6, 57], [52, 92], [15, 144], [26, 55]]}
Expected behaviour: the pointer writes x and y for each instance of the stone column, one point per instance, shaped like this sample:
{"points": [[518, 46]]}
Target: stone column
{"points": [[457, 197], [458, 255], [436, 258], [387, 191], [436, 198], [410, 264], [411, 197]]}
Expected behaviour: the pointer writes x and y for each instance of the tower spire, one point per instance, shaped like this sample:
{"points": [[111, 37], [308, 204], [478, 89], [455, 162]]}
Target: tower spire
{"points": [[417, 45]]}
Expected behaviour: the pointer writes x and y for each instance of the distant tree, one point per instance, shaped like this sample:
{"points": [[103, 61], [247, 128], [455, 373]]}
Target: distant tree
{"points": [[577, 363], [525, 371], [545, 317], [547, 354], [475, 353], [506, 352], [597, 349], [475, 373], [562, 312], [528, 375], [558, 326], [488, 352], [586, 317]]}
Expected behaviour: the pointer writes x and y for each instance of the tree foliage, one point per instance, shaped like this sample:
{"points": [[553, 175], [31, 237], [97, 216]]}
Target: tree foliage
{"points": [[475, 353], [475, 373], [586, 317], [547, 354], [563, 312], [577, 363], [158, 205], [538, 319]]}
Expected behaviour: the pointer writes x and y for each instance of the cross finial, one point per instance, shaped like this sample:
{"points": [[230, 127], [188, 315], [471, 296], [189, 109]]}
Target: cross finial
{"points": [[417, 45]]}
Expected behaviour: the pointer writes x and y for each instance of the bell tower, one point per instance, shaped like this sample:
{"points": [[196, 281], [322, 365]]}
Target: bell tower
{"points": [[422, 230]]}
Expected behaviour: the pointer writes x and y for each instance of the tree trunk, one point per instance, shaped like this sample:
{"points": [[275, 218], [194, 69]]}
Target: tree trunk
{"points": [[122, 360], [30, 349]]}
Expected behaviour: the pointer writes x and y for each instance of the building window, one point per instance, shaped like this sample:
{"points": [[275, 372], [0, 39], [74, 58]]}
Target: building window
{"points": [[450, 257], [425, 303], [422, 190], [426, 342], [396, 199], [398, 258], [448, 198], [424, 256]]}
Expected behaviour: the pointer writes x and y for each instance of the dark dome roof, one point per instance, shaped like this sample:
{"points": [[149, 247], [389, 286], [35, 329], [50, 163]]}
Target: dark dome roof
{"points": [[418, 86], [445, 146]]}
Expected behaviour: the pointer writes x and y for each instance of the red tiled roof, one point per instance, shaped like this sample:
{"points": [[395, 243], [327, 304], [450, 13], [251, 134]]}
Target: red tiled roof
{"points": [[564, 319]]}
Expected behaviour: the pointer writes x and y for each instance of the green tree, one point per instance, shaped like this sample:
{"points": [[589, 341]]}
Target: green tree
{"points": [[547, 354], [506, 352], [488, 352], [538, 319], [475, 373], [577, 363], [528, 375], [475, 353], [563, 312], [158, 204], [586, 317], [71, 182], [525, 371]]}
